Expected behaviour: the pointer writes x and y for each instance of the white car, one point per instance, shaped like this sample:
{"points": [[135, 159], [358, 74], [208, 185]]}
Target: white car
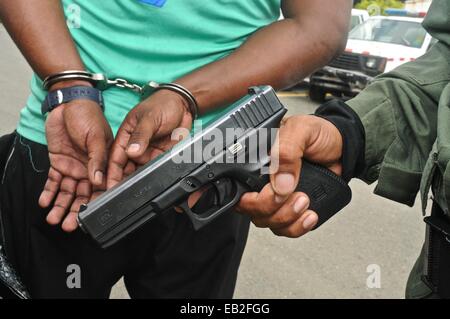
{"points": [[398, 39], [377, 46], [358, 17]]}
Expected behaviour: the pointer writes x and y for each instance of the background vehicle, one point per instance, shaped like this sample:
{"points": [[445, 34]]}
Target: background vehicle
{"points": [[358, 17], [378, 45]]}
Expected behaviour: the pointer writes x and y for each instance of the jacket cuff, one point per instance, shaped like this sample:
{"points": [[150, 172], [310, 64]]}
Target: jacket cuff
{"points": [[353, 135]]}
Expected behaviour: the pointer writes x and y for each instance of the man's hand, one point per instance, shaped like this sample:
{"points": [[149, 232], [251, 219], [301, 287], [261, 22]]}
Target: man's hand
{"points": [[147, 133], [277, 206], [79, 139]]}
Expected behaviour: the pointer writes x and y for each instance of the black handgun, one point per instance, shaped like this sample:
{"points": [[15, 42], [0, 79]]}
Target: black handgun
{"points": [[232, 166]]}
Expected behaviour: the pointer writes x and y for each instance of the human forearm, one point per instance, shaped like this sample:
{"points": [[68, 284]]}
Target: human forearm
{"points": [[279, 55], [39, 30]]}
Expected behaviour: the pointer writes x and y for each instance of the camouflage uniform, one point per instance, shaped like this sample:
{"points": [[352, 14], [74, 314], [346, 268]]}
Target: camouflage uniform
{"points": [[406, 117]]}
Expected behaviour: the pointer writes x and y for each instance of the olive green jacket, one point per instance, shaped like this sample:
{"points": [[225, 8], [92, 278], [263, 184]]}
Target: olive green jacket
{"points": [[406, 116]]}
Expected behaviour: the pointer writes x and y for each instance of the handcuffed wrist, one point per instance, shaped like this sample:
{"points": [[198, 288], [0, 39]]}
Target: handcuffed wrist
{"points": [[68, 84], [188, 97], [64, 79], [101, 82]]}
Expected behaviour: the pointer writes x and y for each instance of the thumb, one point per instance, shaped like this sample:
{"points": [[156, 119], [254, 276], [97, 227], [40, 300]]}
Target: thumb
{"points": [[141, 135], [97, 149], [286, 163]]}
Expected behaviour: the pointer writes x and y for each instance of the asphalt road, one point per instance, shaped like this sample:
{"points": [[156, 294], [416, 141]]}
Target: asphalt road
{"points": [[331, 262]]}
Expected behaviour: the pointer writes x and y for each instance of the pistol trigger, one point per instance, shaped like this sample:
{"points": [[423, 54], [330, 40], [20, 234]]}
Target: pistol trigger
{"points": [[224, 193], [220, 194], [184, 206], [195, 219]]}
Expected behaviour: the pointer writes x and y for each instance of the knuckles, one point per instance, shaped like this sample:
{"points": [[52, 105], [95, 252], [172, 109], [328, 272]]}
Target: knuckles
{"points": [[289, 232], [287, 152], [283, 219], [260, 223], [275, 220], [298, 122]]}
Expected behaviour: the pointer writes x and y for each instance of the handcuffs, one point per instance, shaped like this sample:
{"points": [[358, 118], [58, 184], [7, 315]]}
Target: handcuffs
{"points": [[101, 83]]}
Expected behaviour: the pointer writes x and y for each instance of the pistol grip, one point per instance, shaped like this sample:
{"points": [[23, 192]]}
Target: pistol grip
{"points": [[327, 192]]}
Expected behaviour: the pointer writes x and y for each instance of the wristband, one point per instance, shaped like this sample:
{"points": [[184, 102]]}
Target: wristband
{"points": [[62, 96]]}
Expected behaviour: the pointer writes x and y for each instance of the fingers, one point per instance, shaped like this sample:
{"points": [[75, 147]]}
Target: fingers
{"points": [[97, 149], [290, 218], [300, 227], [96, 193], [84, 191], [120, 166], [154, 150], [118, 157], [196, 196], [262, 204], [63, 201], [85, 194], [287, 214], [68, 165], [151, 121], [51, 188], [118, 160], [129, 169], [72, 194], [70, 223], [146, 127]]}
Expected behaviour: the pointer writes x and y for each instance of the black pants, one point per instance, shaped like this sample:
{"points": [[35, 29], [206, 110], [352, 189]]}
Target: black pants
{"points": [[164, 259]]}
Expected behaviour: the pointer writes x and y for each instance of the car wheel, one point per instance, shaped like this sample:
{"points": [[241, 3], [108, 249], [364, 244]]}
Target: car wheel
{"points": [[317, 94]]}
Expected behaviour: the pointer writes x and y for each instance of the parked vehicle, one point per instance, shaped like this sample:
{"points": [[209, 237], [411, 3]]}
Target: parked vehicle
{"points": [[378, 45], [358, 17]]}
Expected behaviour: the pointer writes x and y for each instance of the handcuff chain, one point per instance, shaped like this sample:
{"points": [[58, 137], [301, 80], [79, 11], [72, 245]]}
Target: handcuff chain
{"points": [[124, 84], [98, 79], [101, 82]]}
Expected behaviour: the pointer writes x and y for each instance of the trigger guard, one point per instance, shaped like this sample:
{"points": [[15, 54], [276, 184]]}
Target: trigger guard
{"points": [[199, 221], [196, 223]]}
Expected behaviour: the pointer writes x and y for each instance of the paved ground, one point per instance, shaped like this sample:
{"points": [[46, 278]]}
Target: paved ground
{"points": [[329, 263]]}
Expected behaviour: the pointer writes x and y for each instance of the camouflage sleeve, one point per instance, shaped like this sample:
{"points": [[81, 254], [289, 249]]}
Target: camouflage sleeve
{"points": [[399, 114]]}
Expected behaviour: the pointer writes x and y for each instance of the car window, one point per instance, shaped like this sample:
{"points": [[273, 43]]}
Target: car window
{"points": [[408, 33], [354, 21]]}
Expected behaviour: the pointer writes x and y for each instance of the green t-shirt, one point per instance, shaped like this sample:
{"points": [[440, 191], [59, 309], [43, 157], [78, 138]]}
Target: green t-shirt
{"points": [[142, 40]]}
